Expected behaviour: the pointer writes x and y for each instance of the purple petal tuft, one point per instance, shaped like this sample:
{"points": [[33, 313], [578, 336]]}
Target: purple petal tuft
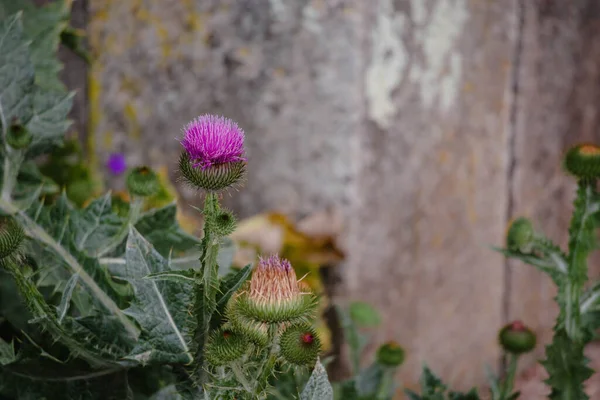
{"points": [[211, 140], [116, 163]]}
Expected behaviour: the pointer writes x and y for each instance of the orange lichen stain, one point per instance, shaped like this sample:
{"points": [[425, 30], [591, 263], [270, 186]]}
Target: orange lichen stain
{"points": [[437, 241], [132, 120], [468, 87], [443, 156], [279, 72], [131, 86], [243, 52], [94, 93], [107, 139], [589, 150]]}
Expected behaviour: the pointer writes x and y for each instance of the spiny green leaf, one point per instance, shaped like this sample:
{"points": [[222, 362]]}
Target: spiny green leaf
{"points": [[183, 276], [65, 300], [364, 315], [7, 353], [16, 72], [42, 27], [567, 368], [160, 307], [318, 386]]}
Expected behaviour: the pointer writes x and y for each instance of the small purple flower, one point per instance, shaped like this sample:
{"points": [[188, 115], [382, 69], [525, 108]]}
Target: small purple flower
{"points": [[211, 140], [116, 163]]}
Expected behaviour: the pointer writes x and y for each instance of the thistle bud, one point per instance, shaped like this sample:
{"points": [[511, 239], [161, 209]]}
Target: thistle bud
{"points": [[390, 354], [300, 345], [224, 346], [520, 235], [18, 137], [11, 236], [214, 153], [583, 161], [274, 294], [143, 182], [516, 338], [224, 223]]}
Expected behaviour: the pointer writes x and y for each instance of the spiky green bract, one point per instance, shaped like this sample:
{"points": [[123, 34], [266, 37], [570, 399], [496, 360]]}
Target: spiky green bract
{"points": [[223, 223], [224, 346], [390, 354], [520, 235], [301, 307], [143, 182], [11, 236], [18, 137], [583, 161], [300, 344], [516, 338], [214, 178], [255, 331]]}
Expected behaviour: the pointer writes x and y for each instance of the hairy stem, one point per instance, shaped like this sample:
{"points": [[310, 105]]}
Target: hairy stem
{"points": [[507, 386], [241, 377], [270, 360], [12, 164], [386, 385]]}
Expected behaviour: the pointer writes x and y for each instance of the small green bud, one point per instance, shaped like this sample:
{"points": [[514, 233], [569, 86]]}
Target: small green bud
{"points": [[213, 178], [224, 223], [520, 235], [18, 137], [390, 354], [300, 345], [11, 236], [583, 161], [516, 338], [224, 346], [143, 182]]}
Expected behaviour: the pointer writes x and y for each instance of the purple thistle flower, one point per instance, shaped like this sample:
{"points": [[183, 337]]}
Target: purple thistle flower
{"points": [[116, 163], [211, 140]]}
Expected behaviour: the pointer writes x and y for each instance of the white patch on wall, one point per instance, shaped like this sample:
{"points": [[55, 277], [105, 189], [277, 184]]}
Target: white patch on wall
{"points": [[439, 78], [388, 61]]}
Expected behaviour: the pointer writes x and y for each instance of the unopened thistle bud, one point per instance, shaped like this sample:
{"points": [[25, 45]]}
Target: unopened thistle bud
{"points": [[391, 354], [11, 236], [214, 153], [516, 338], [583, 161], [520, 235], [300, 345], [224, 223], [224, 346], [143, 182], [18, 137], [274, 294]]}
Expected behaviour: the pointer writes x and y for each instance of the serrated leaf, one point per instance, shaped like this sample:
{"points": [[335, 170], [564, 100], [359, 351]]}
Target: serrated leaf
{"points": [[160, 307], [368, 380], [16, 72], [231, 283], [364, 315], [471, 395], [7, 353], [318, 386], [160, 228], [65, 300], [48, 122], [96, 226], [42, 27], [183, 276]]}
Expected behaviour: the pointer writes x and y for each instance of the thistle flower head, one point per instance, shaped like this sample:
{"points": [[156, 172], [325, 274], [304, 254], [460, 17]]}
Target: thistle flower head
{"points": [[116, 163], [300, 344], [516, 338], [274, 294], [390, 354], [583, 161], [214, 153]]}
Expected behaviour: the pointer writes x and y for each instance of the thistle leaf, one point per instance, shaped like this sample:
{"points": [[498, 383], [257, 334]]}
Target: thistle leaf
{"points": [[7, 353], [160, 307], [318, 386]]}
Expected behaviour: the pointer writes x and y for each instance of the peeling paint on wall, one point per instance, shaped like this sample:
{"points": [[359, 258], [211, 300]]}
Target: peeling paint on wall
{"points": [[389, 58], [440, 76]]}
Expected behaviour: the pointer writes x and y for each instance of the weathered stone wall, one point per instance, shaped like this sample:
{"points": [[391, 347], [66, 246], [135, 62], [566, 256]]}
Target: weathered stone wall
{"points": [[429, 123]]}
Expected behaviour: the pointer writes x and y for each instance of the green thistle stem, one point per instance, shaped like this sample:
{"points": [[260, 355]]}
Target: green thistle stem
{"points": [[386, 385], [207, 279], [241, 377], [272, 354], [12, 164], [507, 386]]}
